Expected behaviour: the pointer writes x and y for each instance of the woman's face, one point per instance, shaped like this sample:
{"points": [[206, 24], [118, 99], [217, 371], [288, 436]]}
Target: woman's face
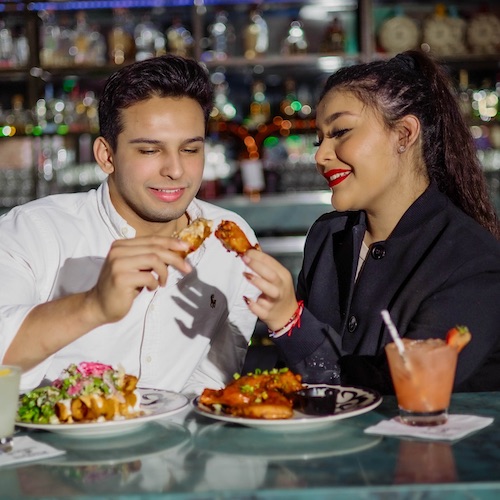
{"points": [[357, 155]]}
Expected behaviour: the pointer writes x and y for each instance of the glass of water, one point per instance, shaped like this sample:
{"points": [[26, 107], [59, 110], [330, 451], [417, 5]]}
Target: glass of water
{"points": [[10, 377]]}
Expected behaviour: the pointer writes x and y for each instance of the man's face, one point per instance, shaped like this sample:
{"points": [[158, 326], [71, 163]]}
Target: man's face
{"points": [[158, 163]]}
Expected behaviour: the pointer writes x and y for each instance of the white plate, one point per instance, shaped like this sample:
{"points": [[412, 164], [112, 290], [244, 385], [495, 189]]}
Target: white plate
{"points": [[155, 403], [351, 401]]}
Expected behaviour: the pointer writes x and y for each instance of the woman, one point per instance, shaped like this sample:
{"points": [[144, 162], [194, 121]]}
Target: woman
{"points": [[413, 232]]}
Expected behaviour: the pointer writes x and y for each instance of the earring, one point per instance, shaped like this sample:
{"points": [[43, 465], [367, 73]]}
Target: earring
{"points": [[401, 149]]}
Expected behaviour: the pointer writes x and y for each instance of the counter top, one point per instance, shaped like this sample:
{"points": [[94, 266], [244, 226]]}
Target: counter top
{"points": [[189, 456], [284, 213]]}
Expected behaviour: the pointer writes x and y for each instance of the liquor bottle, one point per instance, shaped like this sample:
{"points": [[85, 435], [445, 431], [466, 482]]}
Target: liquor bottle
{"points": [[82, 40], [223, 110], [256, 36], [252, 176], [334, 37], [65, 42], [295, 41], [179, 39], [6, 46], [149, 40], [97, 47], [260, 109], [290, 106], [49, 38], [21, 47], [121, 44], [464, 94], [221, 38], [18, 117]]}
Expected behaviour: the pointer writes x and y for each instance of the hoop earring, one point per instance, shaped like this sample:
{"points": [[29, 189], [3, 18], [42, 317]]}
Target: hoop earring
{"points": [[401, 149]]}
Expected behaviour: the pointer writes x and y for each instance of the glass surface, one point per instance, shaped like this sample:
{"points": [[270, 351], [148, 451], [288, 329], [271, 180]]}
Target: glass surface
{"points": [[423, 380], [9, 392], [192, 457]]}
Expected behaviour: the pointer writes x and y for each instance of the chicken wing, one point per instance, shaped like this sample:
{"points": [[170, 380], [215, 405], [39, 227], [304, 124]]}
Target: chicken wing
{"points": [[233, 238], [194, 234], [267, 395]]}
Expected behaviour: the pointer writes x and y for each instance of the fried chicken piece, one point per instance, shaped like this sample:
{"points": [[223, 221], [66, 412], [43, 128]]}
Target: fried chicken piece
{"points": [[275, 406], [256, 395], [233, 238], [194, 234]]}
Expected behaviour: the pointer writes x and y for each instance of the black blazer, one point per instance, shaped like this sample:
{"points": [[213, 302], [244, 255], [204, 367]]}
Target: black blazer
{"points": [[438, 269]]}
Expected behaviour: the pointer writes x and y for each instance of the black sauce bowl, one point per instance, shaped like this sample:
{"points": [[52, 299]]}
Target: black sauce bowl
{"points": [[316, 400]]}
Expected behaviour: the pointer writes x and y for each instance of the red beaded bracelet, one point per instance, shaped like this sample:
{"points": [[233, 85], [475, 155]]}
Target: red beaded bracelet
{"points": [[291, 324]]}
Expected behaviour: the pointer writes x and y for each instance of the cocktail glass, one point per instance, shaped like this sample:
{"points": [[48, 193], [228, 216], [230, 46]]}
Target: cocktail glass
{"points": [[423, 379], [9, 395]]}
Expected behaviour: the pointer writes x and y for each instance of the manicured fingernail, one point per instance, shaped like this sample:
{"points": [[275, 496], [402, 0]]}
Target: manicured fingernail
{"points": [[248, 276], [245, 259], [246, 299]]}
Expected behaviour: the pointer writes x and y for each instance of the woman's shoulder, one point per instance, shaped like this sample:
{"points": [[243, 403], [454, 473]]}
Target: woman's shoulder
{"points": [[467, 232]]}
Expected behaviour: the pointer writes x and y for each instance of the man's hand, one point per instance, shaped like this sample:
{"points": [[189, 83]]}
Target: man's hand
{"points": [[131, 265]]}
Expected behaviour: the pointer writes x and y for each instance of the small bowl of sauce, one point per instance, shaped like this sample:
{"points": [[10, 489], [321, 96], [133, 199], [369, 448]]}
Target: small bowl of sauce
{"points": [[316, 400]]}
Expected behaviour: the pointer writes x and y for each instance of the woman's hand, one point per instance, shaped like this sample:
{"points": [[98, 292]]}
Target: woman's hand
{"points": [[277, 303]]}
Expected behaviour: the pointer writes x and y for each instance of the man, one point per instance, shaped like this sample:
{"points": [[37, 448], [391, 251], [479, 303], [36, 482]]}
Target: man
{"points": [[98, 276]]}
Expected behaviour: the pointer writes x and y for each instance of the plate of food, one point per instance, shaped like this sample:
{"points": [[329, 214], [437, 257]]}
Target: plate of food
{"points": [[95, 400], [267, 400]]}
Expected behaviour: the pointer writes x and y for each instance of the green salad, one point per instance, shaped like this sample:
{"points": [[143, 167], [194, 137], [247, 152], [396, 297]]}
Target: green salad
{"points": [[39, 406]]}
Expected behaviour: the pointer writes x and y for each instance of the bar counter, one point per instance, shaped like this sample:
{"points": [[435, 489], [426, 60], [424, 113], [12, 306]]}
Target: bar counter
{"points": [[188, 456]]}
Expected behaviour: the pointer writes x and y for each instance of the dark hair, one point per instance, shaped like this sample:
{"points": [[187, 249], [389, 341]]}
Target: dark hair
{"points": [[413, 83], [163, 76]]}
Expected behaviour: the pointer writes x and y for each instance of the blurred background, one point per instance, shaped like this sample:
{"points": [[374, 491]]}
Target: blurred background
{"points": [[268, 62]]}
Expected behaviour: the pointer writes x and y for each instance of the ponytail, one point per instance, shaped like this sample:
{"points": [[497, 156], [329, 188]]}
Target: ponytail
{"points": [[413, 83]]}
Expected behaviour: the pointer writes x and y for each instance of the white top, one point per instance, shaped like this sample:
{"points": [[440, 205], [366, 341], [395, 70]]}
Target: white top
{"points": [[192, 333], [362, 257]]}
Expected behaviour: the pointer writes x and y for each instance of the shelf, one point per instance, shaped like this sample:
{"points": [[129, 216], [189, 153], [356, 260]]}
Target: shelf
{"points": [[321, 62]]}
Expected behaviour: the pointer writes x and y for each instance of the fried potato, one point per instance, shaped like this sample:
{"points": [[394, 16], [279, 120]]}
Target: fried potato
{"points": [[63, 412]]}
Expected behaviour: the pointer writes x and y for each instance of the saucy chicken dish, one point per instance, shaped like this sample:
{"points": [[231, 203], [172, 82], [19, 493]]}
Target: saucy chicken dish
{"points": [[262, 394]]}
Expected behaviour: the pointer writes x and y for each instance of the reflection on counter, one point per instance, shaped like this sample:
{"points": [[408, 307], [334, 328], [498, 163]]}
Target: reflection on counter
{"points": [[144, 461]]}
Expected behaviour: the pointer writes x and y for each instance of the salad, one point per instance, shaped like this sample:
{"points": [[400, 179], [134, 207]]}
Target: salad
{"points": [[87, 392]]}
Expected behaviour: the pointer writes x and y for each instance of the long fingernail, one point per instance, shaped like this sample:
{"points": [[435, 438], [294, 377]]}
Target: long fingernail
{"points": [[246, 299], [248, 276]]}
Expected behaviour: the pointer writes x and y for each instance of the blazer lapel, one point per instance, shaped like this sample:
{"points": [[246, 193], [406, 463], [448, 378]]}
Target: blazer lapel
{"points": [[346, 255]]}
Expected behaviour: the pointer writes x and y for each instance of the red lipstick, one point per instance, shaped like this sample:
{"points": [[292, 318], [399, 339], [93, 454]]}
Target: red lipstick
{"points": [[336, 176]]}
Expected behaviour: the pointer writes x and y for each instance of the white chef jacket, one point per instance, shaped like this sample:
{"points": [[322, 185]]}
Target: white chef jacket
{"points": [[192, 333]]}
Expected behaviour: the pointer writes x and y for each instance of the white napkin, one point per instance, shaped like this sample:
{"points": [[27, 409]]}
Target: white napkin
{"points": [[457, 427], [25, 449]]}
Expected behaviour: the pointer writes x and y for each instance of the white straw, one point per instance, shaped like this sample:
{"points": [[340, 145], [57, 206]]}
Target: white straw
{"points": [[393, 331]]}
